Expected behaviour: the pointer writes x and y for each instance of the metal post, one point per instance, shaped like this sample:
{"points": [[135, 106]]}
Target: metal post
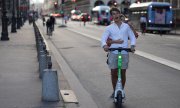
{"points": [[13, 26], [20, 13], [4, 33], [175, 21], [18, 16]]}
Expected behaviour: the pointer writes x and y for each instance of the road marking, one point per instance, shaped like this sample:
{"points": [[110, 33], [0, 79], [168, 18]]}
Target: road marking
{"points": [[89, 36], [163, 61], [159, 59], [69, 96], [173, 37]]}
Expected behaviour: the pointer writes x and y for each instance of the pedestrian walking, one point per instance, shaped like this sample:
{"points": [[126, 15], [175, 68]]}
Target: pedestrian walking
{"points": [[44, 20], [65, 19], [49, 25], [84, 19], [53, 20], [30, 18], [143, 21]]}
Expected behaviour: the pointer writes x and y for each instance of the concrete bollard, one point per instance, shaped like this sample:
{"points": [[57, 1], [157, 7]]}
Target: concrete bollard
{"points": [[39, 54], [48, 59], [41, 50], [50, 86], [42, 64]]}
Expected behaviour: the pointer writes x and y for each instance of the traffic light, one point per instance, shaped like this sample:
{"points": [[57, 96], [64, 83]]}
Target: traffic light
{"points": [[55, 4], [61, 12], [115, 4], [137, 1], [62, 1], [73, 0]]}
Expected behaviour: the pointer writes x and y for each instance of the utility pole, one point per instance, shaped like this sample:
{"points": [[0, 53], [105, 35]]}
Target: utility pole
{"points": [[18, 15], [13, 26]]}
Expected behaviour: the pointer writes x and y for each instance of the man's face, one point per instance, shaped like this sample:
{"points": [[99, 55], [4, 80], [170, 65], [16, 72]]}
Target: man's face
{"points": [[116, 16]]}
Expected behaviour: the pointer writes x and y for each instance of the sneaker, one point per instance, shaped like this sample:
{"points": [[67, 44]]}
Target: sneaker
{"points": [[123, 99]]}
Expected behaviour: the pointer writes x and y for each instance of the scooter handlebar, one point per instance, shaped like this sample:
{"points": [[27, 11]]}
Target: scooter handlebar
{"points": [[120, 49]]}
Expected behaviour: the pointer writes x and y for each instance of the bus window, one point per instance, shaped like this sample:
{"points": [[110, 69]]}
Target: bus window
{"points": [[103, 12], [160, 16]]}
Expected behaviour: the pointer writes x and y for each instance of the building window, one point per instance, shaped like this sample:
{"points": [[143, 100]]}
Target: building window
{"points": [[160, 0], [174, 3], [167, 1]]}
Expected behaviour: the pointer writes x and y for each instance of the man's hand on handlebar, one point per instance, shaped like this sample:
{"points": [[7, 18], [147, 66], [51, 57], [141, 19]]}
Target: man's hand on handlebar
{"points": [[133, 48], [106, 48]]}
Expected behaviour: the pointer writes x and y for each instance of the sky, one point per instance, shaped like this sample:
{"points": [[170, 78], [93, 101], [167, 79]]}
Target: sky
{"points": [[36, 1]]}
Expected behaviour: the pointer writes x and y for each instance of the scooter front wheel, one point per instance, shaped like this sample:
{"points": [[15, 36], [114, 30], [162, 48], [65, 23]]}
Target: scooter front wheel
{"points": [[119, 100]]}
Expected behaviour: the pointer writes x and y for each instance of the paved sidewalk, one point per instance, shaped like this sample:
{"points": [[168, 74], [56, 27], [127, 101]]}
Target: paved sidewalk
{"points": [[20, 86]]}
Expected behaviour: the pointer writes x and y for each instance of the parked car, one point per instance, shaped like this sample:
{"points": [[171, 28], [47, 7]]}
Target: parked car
{"points": [[74, 17], [56, 14], [75, 14], [84, 16]]}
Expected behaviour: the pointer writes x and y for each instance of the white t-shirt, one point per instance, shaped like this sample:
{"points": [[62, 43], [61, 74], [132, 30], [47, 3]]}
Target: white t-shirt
{"points": [[114, 32]]}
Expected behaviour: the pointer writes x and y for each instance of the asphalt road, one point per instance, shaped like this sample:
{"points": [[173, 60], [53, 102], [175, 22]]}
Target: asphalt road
{"points": [[149, 84]]}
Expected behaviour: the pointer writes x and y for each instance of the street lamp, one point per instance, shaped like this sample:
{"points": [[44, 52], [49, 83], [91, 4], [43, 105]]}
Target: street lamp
{"points": [[115, 4], [18, 16], [4, 33], [13, 26]]}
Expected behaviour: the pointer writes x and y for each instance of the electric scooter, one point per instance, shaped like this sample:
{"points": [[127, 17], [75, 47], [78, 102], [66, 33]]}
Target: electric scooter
{"points": [[119, 93]]}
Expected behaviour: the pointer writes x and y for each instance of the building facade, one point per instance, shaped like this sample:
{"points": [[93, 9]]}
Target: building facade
{"points": [[23, 7], [87, 5], [48, 7]]}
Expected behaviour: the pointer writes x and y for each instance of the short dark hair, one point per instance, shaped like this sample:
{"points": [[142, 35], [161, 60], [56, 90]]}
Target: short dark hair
{"points": [[114, 9]]}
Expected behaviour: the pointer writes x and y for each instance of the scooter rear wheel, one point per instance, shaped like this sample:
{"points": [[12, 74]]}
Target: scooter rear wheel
{"points": [[119, 100]]}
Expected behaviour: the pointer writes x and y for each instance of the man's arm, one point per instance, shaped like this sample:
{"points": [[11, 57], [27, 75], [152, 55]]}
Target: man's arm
{"points": [[110, 41], [132, 39], [133, 29], [104, 38]]}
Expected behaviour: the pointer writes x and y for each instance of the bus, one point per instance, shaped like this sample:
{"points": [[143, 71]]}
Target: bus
{"points": [[159, 16], [101, 15]]}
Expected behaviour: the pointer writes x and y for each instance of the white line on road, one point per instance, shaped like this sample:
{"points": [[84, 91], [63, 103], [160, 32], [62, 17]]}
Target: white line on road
{"points": [[159, 59], [163, 61]]}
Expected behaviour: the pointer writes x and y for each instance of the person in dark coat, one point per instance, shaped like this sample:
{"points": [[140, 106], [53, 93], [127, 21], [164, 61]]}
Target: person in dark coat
{"points": [[52, 18], [48, 25], [44, 20]]}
